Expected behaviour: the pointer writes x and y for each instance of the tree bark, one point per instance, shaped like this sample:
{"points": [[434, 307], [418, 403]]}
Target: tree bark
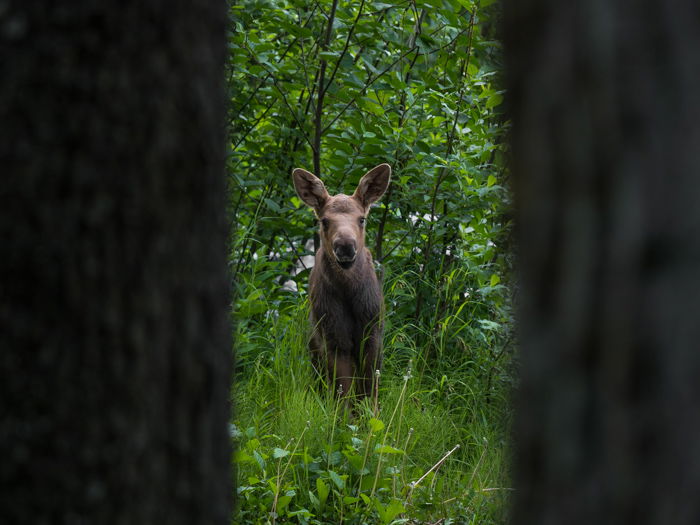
{"points": [[114, 336], [605, 102]]}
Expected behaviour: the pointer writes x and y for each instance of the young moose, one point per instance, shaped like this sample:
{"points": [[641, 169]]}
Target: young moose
{"points": [[346, 300]]}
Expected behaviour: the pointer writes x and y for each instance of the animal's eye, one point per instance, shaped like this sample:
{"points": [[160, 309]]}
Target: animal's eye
{"points": [[362, 221]]}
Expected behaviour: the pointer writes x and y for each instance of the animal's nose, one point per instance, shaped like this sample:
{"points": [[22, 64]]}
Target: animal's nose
{"points": [[344, 249]]}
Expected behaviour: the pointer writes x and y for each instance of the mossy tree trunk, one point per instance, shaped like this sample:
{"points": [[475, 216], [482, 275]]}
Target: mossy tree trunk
{"points": [[605, 101], [114, 336]]}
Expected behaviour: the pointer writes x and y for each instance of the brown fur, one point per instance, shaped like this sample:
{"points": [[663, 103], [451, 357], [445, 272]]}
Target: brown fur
{"points": [[346, 300]]}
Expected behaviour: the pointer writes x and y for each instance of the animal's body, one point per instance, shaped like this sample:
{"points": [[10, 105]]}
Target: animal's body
{"points": [[346, 298]]}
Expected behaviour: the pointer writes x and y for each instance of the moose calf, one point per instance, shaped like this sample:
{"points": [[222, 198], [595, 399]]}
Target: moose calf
{"points": [[346, 300]]}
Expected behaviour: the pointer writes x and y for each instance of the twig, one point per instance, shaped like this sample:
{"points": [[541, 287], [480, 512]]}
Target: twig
{"points": [[478, 463], [347, 44], [364, 89], [399, 242], [255, 125], [284, 54], [286, 102], [443, 170], [471, 479], [434, 467], [318, 132], [291, 110], [384, 72]]}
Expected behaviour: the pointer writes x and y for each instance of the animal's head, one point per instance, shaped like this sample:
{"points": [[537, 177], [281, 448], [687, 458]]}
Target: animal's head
{"points": [[342, 217]]}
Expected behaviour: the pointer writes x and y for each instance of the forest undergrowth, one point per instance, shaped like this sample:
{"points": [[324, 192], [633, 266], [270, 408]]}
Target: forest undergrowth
{"points": [[433, 448], [338, 87]]}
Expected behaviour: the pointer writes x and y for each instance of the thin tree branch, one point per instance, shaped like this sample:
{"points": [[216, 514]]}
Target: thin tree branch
{"points": [[294, 116], [399, 242], [255, 124], [385, 71], [316, 146], [443, 170], [369, 83], [345, 48], [407, 78], [282, 56]]}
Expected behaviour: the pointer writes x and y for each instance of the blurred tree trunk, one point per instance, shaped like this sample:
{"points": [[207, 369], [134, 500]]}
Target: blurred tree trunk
{"points": [[114, 338], [605, 101]]}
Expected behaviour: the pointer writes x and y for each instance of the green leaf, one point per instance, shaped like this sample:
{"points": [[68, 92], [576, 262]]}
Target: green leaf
{"points": [[241, 456], [315, 501], [370, 105], [491, 181], [387, 449], [392, 509], [328, 55], [495, 279], [356, 461], [422, 147], [282, 503], [366, 484], [381, 510], [259, 459], [376, 425], [467, 3], [334, 457], [301, 512], [272, 205], [280, 453], [253, 304], [487, 324], [335, 478], [494, 100], [323, 491]]}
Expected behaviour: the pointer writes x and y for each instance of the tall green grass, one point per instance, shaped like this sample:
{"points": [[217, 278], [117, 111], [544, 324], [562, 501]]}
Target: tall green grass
{"points": [[433, 446]]}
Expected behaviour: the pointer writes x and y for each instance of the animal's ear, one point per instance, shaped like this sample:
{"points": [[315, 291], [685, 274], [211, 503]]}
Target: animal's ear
{"points": [[310, 189], [373, 185]]}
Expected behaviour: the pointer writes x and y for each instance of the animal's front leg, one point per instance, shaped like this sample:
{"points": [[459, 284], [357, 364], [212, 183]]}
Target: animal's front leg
{"points": [[317, 350], [370, 361], [341, 370]]}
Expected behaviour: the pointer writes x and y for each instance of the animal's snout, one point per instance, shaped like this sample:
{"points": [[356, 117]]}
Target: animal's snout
{"points": [[345, 250]]}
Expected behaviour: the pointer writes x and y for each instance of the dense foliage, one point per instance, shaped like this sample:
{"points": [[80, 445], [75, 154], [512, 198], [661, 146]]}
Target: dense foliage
{"points": [[337, 88]]}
